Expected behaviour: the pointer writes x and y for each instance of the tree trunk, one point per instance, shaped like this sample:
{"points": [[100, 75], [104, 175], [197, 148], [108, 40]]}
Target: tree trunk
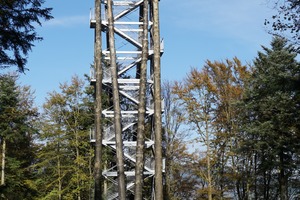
{"points": [[250, 176], [208, 156], [282, 179], [157, 102], [139, 167], [3, 162], [98, 103], [78, 170], [91, 188], [255, 176], [117, 108], [172, 122], [59, 177]]}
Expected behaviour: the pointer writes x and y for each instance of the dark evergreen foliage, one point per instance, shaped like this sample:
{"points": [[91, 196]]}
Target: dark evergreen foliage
{"points": [[16, 130], [18, 19], [272, 132]]}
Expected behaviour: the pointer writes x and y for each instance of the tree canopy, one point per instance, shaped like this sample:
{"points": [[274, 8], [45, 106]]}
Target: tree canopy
{"points": [[287, 21], [17, 130], [17, 30], [272, 109]]}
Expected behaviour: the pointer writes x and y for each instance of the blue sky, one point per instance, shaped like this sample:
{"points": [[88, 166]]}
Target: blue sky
{"points": [[193, 31]]}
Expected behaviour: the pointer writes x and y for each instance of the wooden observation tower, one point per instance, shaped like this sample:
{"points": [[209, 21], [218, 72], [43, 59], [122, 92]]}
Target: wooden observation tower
{"points": [[128, 25]]}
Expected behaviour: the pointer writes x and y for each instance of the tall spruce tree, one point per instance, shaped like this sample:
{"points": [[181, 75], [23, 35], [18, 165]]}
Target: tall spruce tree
{"points": [[273, 110], [17, 116]]}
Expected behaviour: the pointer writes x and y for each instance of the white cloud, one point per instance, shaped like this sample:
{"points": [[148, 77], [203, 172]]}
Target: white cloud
{"points": [[68, 21]]}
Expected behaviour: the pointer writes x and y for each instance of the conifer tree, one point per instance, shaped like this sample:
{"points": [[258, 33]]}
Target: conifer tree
{"points": [[17, 30], [17, 131], [272, 108]]}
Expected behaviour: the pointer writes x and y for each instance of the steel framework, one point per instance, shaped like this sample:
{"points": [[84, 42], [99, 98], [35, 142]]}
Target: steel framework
{"points": [[128, 26]]}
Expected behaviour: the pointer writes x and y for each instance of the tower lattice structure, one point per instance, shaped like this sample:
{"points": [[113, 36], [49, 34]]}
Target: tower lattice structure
{"points": [[128, 27]]}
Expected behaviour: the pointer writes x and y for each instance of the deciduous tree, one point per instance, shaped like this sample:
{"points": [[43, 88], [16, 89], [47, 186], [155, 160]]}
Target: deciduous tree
{"points": [[287, 21], [209, 98], [229, 80], [199, 102], [180, 177], [65, 158]]}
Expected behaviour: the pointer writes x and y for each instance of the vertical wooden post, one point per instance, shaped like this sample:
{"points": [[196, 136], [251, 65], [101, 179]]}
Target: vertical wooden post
{"points": [[139, 167], [98, 103], [116, 102], [157, 102]]}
